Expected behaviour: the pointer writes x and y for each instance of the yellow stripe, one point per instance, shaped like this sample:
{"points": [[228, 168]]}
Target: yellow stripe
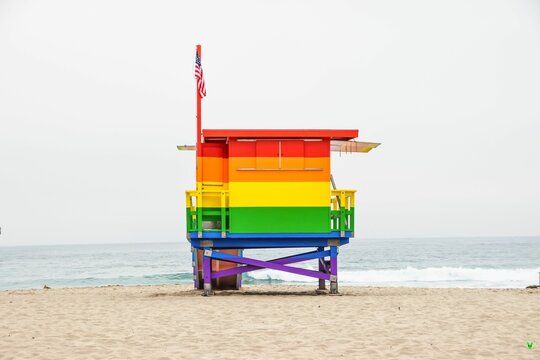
{"points": [[212, 193], [257, 194]]}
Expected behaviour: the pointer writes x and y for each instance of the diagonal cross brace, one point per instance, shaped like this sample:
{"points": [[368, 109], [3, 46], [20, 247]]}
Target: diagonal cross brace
{"points": [[282, 261], [323, 265], [265, 264]]}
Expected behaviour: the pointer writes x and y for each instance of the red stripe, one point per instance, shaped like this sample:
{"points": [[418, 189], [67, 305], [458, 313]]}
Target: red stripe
{"points": [[214, 150], [270, 148]]}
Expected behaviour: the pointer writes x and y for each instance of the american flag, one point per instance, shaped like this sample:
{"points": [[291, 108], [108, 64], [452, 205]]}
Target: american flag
{"points": [[199, 76]]}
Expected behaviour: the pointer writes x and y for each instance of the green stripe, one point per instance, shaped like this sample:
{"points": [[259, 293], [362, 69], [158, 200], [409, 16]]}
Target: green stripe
{"points": [[273, 219], [279, 219]]}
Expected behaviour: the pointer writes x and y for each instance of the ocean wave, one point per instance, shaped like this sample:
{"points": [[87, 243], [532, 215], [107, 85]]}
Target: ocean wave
{"points": [[419, 277], [451, 277]]}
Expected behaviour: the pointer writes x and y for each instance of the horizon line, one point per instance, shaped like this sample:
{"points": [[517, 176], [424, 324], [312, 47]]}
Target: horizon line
{"points": [[366, 238]]}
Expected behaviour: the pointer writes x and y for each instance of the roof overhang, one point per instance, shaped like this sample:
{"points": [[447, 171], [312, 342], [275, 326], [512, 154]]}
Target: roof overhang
{"points": [[352, 146], [338, 134]]}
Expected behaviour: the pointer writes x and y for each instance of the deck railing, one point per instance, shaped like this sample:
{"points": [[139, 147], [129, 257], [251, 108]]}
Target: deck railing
{"points": [[201, 219], [216, 219], [342, 210]]}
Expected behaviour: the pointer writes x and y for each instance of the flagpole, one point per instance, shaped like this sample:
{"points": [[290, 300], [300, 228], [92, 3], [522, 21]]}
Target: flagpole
{"points": [[199, 130], [198, 158]]}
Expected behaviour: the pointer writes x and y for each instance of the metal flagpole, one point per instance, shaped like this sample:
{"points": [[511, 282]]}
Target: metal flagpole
{"points": [[198, 168], [198, 108]]}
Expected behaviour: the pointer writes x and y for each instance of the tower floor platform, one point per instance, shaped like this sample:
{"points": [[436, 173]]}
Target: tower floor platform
{"points": [[255, 241]]}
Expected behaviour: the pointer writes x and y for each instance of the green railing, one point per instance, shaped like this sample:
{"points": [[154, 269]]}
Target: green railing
{"points": [[216, 218], [342, 210], [207, 219]]}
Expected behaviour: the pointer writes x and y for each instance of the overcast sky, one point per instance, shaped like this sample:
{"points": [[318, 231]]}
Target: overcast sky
{"points": [[95, 96]]}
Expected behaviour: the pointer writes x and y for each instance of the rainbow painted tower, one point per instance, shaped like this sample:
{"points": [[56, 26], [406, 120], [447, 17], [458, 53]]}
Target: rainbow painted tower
{"points": [[268, 189]]}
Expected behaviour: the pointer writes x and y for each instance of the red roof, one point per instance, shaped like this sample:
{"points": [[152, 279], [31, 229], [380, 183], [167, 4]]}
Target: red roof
{"points": [[281, 133]]}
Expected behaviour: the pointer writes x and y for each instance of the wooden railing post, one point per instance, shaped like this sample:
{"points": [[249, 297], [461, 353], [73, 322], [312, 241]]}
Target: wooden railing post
{"points": [[223, 220], [342, 213], [199, 213]]}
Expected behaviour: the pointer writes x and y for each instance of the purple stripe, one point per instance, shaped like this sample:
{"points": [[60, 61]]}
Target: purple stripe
{"points": [[333, 260], [207, 269]]}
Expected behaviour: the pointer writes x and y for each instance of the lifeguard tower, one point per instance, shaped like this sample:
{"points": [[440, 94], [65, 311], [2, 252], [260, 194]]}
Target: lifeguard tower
{"points": [[267, 189]]}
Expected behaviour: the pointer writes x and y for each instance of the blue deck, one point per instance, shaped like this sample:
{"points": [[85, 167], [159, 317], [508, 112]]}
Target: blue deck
{"points": [[253, 241]]}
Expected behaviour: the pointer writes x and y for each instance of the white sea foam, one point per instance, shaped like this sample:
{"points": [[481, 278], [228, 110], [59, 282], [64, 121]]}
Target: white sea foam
{"points": [[421, 277]]}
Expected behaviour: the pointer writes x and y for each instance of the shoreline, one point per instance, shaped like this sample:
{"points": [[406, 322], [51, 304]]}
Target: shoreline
{"points": [[277, 321], [278, 285], [251, 287]]}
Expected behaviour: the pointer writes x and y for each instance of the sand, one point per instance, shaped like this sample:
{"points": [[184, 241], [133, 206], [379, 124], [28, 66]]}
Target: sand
{"points": [[269, 322]]}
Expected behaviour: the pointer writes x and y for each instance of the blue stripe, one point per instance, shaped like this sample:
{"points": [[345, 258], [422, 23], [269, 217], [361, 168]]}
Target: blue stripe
{"points": [[267, 243], [217, 235]]}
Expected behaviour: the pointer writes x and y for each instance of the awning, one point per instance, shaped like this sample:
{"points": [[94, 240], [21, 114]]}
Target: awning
{"points": [[333, 134], [352, 146]]}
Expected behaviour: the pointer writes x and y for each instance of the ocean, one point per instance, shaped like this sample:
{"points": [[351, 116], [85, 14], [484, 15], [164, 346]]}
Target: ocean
{"points": [[502, 262]]}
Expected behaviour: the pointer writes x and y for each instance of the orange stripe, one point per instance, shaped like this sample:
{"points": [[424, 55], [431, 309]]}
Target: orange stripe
{"points": [[257, 174], [212, 169]]}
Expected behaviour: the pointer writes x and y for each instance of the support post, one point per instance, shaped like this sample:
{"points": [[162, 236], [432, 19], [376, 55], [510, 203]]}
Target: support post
{"points": [[239, 276], [322, 283], [333, 270], [195, 267], [207, 272]]}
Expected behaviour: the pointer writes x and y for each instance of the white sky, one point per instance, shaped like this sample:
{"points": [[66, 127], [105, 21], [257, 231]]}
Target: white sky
{"points": [[95, 96]]}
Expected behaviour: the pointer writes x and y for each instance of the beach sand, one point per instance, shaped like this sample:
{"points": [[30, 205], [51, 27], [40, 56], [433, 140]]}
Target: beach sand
{"points": [[269, 322]]}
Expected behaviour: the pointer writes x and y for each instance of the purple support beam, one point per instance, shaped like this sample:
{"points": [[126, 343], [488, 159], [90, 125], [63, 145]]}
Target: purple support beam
{"points": [[269, 265], [333, 270], [207, 273], [333, 260], [282, 261]]}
